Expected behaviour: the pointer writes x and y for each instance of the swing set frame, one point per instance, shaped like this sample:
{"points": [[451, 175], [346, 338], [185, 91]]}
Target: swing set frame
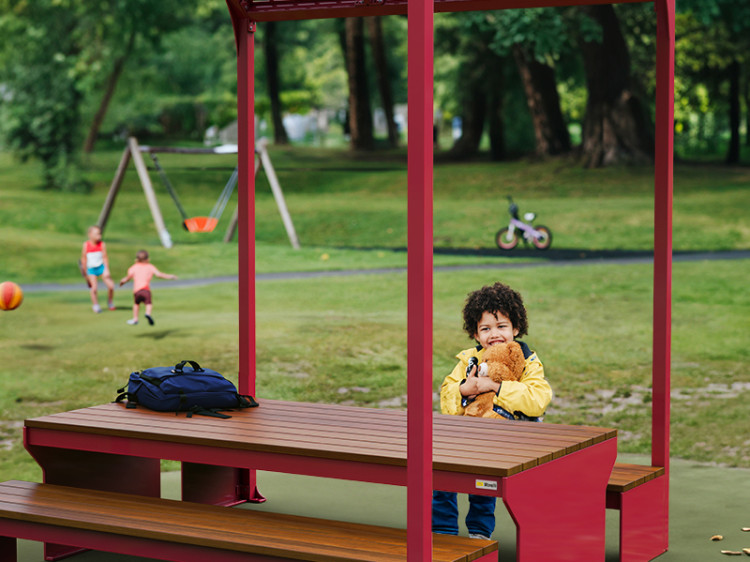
{"points": [[196, 224]]}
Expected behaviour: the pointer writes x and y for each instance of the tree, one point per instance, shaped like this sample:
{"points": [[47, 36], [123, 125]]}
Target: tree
{"points": [[360, 114], [109, 91], [108, 35], [469, 78], [540, 85], [274, 83], [379, 54], [727, 24], [69, 48], [616, 127], [535, 38], [40, 106]]}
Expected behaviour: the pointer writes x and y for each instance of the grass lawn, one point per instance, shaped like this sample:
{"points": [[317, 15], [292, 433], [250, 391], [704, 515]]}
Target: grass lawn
{"points": [[342, 339]]}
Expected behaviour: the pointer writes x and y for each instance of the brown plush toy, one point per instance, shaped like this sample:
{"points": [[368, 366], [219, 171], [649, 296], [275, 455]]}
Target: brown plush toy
{"points": [[502, 362]]}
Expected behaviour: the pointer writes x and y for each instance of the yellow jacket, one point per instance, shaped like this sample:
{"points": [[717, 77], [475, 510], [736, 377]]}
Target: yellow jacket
{"points": [[531, 395]]}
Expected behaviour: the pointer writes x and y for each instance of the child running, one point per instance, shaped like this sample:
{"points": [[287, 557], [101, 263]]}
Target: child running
{"points": [[492, 315], [141, 273], [95, 261]]}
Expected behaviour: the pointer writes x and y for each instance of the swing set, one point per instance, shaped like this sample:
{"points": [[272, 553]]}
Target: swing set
{"points": [[193, 224], [198, 224]]}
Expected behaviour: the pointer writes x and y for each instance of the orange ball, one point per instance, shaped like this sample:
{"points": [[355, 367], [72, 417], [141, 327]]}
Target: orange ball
{"points": [[11, 296]]}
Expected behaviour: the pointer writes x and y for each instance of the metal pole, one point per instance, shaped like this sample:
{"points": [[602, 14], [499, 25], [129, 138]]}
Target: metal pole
{"points": [[419, 290], [246, 204], [662, 336]]}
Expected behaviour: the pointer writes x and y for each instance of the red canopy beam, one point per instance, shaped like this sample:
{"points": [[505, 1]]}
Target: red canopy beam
{"points": [[284, 10]]}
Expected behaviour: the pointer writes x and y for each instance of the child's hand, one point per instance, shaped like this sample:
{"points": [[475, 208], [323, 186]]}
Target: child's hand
{"points": [[474, 385]]}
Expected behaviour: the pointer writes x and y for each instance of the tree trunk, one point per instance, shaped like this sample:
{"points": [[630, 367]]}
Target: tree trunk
{"points": [[497, 126], [540, 86], [274, 83], [109, 91], [375, 29], [472, 126], [733, 154], [615, 128], [360, 115]]}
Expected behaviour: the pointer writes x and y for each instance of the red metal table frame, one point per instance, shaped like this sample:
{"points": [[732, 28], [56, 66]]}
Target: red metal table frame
{"points": [[552, 478], [245, 15]]}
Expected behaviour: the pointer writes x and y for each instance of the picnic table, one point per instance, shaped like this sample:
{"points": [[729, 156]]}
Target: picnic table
{"points": [[552, 478]]}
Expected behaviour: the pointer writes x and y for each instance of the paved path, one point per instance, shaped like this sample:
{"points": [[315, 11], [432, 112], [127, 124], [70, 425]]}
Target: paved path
{"points": [[558, 259]]}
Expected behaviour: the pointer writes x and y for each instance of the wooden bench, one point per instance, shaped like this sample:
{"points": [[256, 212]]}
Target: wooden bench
{"points": [[640, 493], [174, 530]]}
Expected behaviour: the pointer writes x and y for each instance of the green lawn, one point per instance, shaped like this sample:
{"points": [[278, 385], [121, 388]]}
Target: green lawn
{"points": [[342, 339], [341, 205]]}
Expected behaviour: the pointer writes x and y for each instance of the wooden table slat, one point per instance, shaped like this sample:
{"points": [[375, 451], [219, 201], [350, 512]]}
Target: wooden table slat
{"points": [[338, 432]]}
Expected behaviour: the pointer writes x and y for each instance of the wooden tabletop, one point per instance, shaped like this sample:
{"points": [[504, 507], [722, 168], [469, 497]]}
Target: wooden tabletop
{"points": [[460, 444]]}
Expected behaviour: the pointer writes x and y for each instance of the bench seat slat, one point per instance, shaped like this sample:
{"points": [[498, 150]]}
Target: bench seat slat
{"points": [[625, 477], [241, 530]]}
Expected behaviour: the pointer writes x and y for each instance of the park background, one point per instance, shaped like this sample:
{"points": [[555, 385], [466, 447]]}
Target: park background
{"points": [[521, 109]]}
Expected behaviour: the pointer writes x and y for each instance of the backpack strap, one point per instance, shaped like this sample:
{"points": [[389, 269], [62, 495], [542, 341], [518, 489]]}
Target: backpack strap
{"points": [[194, 364], [201, 411], [246, 401], [131, 404]]}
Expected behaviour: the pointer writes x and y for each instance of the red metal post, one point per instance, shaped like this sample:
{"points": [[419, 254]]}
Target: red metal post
{"points": [[419, 319], [662, 336], [246, 203]]}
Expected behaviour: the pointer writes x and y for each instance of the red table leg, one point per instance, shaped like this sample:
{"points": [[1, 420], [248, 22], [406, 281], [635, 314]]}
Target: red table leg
{"points": [[219, 485], [8, 552], [644, 521], [97, 471], [559, 506]]}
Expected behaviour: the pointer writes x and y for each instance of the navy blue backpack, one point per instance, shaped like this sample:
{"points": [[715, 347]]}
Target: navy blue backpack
{"points": [[175, 389]]}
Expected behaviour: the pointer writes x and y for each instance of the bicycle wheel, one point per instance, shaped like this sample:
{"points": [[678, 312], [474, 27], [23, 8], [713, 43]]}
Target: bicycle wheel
{"points": [[545, 240], [505, 240]]}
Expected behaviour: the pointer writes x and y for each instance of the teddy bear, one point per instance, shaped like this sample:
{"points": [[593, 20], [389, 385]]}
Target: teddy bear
{"points": [[502, 362]]}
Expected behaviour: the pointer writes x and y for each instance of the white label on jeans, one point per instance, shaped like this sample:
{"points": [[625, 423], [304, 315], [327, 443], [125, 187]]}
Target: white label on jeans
{"points": [[486, 484]]}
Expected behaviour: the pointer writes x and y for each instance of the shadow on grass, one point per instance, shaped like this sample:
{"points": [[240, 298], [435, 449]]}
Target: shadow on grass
{"points": [[37, 347], [158, 335]]}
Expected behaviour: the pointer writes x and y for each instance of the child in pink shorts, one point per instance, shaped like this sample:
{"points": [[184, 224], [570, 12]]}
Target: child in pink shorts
{"points": [[141, 273]]}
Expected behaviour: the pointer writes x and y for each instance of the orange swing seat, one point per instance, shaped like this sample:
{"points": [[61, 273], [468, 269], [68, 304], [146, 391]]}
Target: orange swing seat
{"points": [[200, 224]]}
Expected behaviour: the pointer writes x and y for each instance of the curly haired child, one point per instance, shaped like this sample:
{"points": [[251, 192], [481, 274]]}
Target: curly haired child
{"points": [[492, 314]]}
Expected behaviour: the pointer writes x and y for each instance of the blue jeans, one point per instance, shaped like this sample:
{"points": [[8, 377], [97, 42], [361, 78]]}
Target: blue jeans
{"points": [[480, 520]]}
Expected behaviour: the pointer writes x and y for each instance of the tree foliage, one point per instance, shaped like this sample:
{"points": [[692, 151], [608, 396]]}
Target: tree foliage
{"points": [[55, 54], [518, 78], [713, 42], [41, 87]]}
